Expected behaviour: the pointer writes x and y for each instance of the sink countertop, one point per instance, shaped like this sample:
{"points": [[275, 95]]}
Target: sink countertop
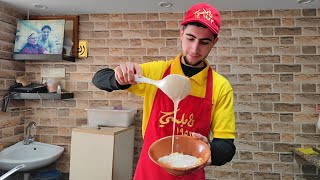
{"points": [[313, 157]]}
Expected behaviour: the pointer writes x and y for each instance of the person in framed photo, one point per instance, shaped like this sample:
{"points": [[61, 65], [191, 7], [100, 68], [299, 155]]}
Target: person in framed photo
{"points": [[45, 40], [50, 36], [32, 46]]}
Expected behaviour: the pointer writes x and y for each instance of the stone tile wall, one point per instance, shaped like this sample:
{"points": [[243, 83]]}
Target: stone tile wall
{"points": [[12, 121], [271, 57]]}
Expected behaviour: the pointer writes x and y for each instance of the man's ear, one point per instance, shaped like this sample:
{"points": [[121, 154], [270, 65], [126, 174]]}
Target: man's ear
{"points": [[215, 41], [181, 32]]}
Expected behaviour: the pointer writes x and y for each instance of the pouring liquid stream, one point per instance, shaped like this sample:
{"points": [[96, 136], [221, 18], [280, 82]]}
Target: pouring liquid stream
{"points": [[175, 110], [175, 86]]}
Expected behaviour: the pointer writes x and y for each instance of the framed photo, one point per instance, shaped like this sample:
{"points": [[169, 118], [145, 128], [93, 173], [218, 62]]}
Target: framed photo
{"points": [[39, 37], [71, 42]]}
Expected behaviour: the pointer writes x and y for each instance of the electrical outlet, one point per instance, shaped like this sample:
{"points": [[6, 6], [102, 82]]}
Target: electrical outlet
{"points": [[53, 72], [59, 73]]}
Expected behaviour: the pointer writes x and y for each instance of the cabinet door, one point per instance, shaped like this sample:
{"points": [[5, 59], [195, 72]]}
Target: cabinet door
{"points": [[123, 155], [91, 156]]}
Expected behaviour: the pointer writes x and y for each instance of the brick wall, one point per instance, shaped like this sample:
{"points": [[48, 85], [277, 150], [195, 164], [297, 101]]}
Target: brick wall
{"points": [[11, 122], [270, 57]]}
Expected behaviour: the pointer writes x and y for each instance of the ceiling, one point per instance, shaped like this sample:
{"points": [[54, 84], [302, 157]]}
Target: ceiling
{"points": [[65, 7]]}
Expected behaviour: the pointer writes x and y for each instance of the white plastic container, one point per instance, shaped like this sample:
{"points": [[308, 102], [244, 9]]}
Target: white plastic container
{"points": [[109, 116]]}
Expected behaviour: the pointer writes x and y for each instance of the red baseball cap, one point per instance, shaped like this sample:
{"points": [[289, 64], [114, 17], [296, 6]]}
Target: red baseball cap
{"points": [[205, 14]]}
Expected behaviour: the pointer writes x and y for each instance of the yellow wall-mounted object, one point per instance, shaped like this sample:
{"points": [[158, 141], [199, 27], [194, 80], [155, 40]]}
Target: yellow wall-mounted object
{"points": [[83, 49], [308, 151]]}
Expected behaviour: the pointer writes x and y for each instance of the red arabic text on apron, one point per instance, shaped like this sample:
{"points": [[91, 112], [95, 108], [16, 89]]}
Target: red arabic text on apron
{"points": [[194, 115]]}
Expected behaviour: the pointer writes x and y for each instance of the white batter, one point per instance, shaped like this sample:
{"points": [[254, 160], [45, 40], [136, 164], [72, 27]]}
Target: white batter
{"points": [[179, 160]]}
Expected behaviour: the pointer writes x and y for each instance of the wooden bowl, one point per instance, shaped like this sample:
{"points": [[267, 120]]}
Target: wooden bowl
{"points": [[182, 144]]}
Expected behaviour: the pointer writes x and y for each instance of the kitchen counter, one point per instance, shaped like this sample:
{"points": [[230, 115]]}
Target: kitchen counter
{"points": [[309, 155]]}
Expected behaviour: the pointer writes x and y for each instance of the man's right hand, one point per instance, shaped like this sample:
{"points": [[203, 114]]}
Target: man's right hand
{"points": [[124, 73]]}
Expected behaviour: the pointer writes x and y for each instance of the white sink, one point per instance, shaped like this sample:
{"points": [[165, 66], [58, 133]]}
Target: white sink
{"points": [[35, 155]]}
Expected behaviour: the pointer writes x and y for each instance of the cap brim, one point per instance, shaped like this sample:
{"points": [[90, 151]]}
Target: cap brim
{"points": [[202, 22]]}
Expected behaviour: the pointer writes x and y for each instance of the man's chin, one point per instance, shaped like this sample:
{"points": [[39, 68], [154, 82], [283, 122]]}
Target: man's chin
{"points": [[192, 61]]}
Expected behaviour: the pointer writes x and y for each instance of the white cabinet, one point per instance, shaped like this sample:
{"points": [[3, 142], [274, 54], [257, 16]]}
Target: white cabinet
{"points": [[102, 154]]}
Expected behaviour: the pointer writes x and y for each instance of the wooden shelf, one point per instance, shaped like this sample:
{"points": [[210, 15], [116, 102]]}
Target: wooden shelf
{"points": [[44, 57], [64, 95]]}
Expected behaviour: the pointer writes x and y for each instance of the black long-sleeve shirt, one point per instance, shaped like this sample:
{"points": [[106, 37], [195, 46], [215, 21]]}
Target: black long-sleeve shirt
{"points": [[222, 150]]}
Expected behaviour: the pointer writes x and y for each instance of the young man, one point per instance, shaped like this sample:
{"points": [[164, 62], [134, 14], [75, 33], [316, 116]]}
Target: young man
{"points": [[46, 42], [209, 107]]}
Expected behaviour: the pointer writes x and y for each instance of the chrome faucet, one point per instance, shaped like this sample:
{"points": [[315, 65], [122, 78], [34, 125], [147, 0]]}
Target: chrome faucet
{"points": [[27, 136]]}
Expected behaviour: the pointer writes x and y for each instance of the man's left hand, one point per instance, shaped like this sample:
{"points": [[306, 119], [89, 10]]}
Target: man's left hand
{"points": [[204, 139]]}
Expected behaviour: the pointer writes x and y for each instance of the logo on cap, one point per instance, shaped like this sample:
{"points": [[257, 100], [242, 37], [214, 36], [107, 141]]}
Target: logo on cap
{"points": [[205, 14]]}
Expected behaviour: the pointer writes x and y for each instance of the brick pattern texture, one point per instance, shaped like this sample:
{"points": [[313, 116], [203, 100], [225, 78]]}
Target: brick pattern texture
{"points": [[271, 57], [11, 122]]}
